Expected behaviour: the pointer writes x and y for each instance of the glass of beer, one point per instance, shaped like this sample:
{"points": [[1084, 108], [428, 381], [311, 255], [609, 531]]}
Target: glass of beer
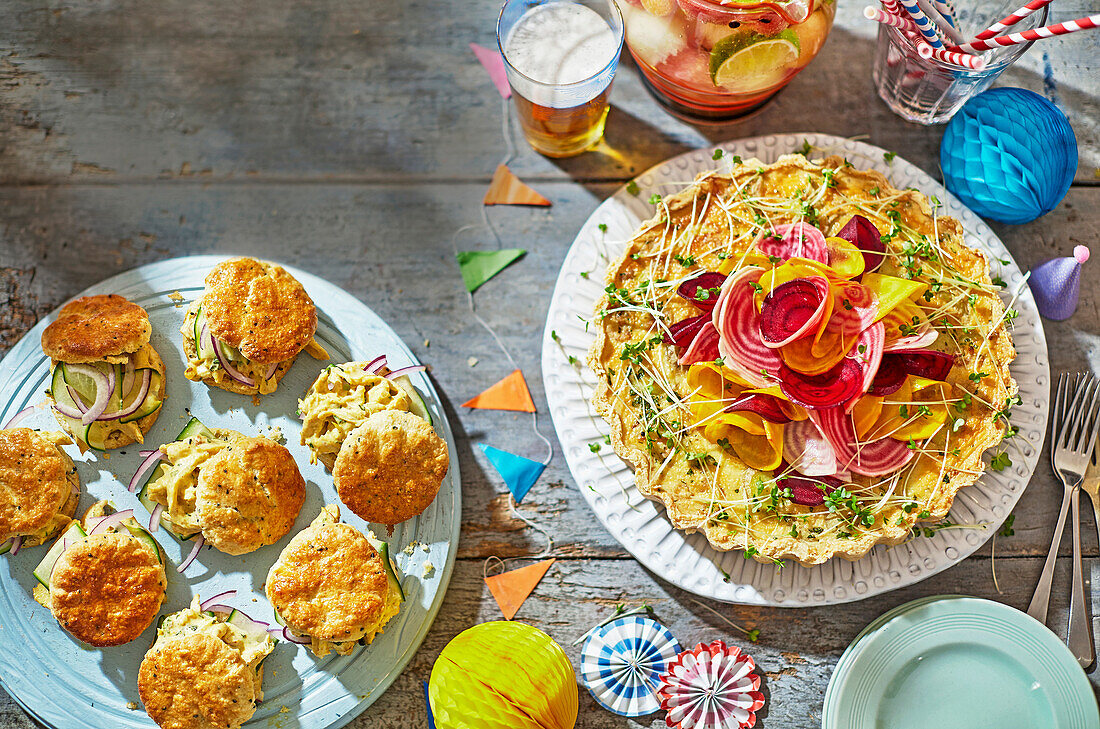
{"points": [[561, 57]]}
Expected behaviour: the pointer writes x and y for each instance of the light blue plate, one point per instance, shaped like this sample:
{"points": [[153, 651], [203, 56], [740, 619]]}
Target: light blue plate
{"points": [[68, 685], [958, 663]]}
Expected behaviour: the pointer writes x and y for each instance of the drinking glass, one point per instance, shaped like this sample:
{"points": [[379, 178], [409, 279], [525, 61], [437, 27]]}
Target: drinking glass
{"points": [[931, 91], [560, 58]]}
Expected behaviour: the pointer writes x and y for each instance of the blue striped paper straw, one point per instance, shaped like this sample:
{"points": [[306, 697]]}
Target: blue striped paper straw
{"points": [[924, 24], [947, 10]]}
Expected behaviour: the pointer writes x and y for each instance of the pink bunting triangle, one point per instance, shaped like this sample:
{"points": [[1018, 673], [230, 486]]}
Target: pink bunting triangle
{"points": [[494, 65]]}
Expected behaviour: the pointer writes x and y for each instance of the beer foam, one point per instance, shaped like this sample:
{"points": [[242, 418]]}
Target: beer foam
{"points": [[560, 43]]}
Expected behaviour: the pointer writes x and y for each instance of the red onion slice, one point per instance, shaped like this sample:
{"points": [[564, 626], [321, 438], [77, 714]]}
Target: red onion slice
{"points": [[270, 371], [295, 639], [149, 462], [199, 541], [276, 632], [146, 380], [205, 604], [154, 518], [104, 388], [375, 364], [106, 523], [19, 417], [16, 545], [227, 366], [405, 371], [127, 378]]}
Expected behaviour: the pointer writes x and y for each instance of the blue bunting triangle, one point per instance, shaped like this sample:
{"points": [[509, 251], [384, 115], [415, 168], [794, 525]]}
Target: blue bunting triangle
{"points": [[519, 473]]}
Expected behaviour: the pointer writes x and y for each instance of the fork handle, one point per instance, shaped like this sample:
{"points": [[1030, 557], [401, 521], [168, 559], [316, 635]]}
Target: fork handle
{"points": [[1080, 622], [1040, 601]]}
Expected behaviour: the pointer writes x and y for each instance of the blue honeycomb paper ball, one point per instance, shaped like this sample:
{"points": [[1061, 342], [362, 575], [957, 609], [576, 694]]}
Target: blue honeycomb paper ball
{"points": [[1009, 155]]}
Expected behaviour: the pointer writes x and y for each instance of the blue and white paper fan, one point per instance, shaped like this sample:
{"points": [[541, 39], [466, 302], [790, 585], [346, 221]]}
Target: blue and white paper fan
{"points": [[622, 661]]}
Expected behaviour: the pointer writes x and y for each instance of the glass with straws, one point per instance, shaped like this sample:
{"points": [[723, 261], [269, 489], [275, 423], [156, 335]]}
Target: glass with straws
{"points": [[560, 58]]}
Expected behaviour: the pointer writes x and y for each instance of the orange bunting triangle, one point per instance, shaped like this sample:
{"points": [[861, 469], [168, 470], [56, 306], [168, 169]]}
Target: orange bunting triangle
{"points": [[507, 189], [511, 393], [510, 589]]}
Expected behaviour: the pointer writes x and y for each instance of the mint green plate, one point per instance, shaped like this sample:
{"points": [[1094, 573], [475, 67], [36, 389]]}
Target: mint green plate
{"points": [[958, 663]]}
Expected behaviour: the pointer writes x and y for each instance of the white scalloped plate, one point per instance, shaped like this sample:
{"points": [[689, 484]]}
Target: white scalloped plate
{"points": [[67, 685], [688, 561]]}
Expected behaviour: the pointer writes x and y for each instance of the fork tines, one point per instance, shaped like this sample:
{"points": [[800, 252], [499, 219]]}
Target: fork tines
{"points": [[1074, 422]]}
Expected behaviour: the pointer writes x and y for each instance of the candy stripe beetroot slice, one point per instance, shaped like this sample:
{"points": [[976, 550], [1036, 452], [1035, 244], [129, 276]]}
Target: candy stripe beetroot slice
{"points": [[682, 333], [704, 348], [807, 450], [876, 458], [741, 345], [766, 406], [794, 240]]}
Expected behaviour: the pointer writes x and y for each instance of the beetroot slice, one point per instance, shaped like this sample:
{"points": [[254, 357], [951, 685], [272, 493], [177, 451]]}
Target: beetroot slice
{"points": [[808, 491], [876, 458], [792, 309], [794, 240], [862, 233], [927, 363], [710, 282], [766, 406], [683, 332], [741, 345], [704, 348], [890, 376], [835, 387]]}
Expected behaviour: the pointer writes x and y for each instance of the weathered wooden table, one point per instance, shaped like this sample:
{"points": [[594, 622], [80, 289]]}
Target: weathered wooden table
{"points": [[353, 139]]}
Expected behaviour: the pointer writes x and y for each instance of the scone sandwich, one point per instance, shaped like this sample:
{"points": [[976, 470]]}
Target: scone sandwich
{"points": [[103, 579], [204, 671], [333, 587], [245, 331], [345, 395], [107, 381], [237, 492], [39, 488]]}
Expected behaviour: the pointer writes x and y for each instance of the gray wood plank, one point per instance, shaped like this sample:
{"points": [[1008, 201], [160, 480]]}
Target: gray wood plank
{"points": [[795, 654], [391, 248], [335, 90]]}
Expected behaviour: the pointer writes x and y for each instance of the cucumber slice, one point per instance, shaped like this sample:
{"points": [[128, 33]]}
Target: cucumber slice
{"points": [[193, 427], [6, 546], [141, 534], [391, 575], [95, 434], [202, 348], [279, 618], [418, 407], [45, 568], [150, 404], [84, 385], [238, 620]]}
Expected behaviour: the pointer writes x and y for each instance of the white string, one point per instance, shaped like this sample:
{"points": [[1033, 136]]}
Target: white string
{"points": [[510, 152]]}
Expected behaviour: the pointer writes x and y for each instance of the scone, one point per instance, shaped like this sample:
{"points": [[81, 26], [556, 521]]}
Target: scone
{"points": [[334, 587], [203, 672], [39, 487], [245, 331], [345, 395], [390, 468], [240, 492], [103, 580], [107, 381]]}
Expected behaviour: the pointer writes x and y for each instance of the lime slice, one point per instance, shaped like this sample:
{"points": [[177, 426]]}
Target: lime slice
{"points": [[753, 62]]}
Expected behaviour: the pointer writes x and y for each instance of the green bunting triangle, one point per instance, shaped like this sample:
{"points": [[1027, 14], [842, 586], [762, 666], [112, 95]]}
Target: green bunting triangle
{"points": [[479, 266]]}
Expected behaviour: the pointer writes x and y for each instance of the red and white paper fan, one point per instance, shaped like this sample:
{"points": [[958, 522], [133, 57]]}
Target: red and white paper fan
{"points": [[711, 686]]}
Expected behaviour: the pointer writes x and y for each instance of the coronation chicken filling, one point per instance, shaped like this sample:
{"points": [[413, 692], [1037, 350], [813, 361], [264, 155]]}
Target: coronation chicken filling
{"points": [[339, 401], [175, 488], [193, 620]]}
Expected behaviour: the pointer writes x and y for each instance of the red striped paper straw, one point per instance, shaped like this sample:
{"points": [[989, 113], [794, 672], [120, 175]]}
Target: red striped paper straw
{"points": [[1009, 21], [974, 63], [901, 22], [1026, 36], [893, 7]]}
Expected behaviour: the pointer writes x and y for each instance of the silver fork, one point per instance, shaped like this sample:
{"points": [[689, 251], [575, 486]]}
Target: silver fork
{"points": [[1074, 427]]}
